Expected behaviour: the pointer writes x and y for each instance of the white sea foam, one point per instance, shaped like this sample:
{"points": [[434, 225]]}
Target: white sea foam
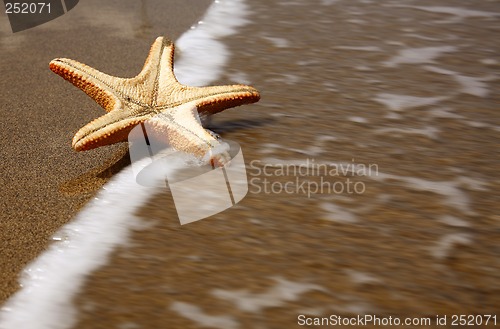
{"points": [[361, 277], [354, 305], [469, 85], [204, 320], [397, 102], [51, 281], [284, 291], [452, 194], [444, 112], [202, 55], [278, 42], [445, 245], [315, 149], [473, 86], [365, 68], [360, 48], [453, 221], [429, 131], [336, 213], [239, 77], [456, 11], [358, 119], [489, 61], [287, 78], [419, 55], [422, 37]]}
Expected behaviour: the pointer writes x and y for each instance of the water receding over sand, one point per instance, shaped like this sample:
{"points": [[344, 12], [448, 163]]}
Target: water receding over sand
{"points": [[410, 89]]}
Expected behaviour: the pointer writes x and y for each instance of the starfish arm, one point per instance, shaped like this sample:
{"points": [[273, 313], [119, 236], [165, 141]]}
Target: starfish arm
{"points": [[209, 100], [159, 64], [183, 130], [99, 86], [215, 99], [110, 128]]}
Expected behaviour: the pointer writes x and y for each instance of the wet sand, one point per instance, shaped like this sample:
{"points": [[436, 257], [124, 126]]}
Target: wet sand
{"points": [[45, 182], [420, 241]]}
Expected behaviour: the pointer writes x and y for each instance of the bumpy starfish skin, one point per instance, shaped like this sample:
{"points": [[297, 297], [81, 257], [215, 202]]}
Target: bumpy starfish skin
{"points": [[153, 94]]}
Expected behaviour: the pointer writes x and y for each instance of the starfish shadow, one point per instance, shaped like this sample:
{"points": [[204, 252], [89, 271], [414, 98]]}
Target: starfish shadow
{"points": [[92, 180], [238, 125]]}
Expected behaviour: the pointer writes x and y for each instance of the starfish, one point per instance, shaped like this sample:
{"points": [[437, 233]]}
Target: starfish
{"points": [[154, 95]]}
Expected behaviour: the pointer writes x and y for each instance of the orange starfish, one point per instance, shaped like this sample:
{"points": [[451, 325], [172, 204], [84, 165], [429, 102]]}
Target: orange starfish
{"points": [[153, 94]]}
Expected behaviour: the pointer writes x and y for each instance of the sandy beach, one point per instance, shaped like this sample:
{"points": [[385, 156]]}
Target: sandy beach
{"points": [[411, 89], [45, 181]]}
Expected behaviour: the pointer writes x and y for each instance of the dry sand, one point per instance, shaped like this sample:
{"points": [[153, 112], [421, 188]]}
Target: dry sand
{"points": [[44, 181]]}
